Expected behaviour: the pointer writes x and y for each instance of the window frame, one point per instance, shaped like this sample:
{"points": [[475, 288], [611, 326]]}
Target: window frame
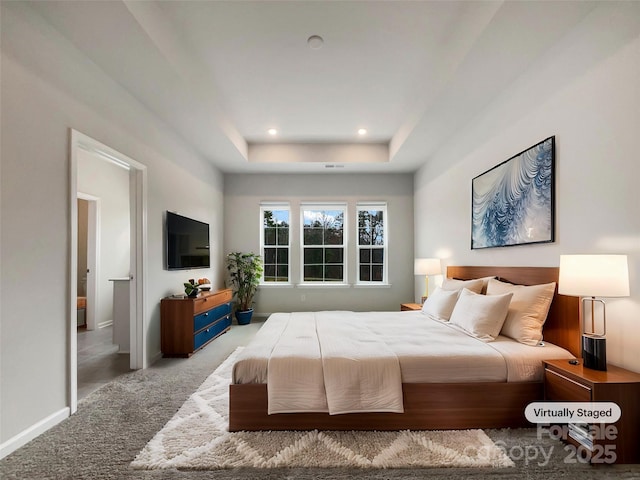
{"points": [[265, 206], [377, 206], [343, 207]]}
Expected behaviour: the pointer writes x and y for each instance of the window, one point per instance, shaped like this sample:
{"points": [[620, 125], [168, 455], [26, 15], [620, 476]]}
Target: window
{"points": [[275, 243], [372, 243], [323, 243]]}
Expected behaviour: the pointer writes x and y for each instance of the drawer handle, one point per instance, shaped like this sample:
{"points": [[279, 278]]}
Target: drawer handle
{"points": [[584, 387], [208, 330], [206, 314]]}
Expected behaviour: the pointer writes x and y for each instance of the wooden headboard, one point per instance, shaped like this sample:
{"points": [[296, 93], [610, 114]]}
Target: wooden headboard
{"points": [[562, 327]]}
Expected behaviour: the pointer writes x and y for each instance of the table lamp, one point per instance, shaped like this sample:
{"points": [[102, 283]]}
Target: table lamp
{"points": [[591, 276], [427, 267]]}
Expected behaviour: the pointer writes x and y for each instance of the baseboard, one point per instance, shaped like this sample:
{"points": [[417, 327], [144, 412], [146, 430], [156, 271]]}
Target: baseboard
{"points": [[106, 323], [155, 358], [33, 431]]}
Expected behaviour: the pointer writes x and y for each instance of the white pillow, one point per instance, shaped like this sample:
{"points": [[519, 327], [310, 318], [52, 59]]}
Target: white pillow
{"points": [[528, 309], [481, 315], [440, 303], [452, 284]]}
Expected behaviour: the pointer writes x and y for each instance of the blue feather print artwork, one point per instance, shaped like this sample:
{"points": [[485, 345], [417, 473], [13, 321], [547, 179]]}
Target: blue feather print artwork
{"points": [[512, 204]]}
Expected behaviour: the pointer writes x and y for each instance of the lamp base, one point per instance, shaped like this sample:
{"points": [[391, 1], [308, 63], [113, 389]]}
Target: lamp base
{"points": [[594, 352]]}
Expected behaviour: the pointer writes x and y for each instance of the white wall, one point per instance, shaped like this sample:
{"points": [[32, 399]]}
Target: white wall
{"points": [[48, 87], [243, 194], [595, 118], [110, 184]]}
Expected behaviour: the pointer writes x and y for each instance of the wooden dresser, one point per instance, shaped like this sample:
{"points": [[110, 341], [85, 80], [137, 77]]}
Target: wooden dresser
{"points": [[188, 324]]}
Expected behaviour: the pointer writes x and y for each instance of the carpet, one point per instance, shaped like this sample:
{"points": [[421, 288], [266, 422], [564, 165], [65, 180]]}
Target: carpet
{"points": [[196, 438]]}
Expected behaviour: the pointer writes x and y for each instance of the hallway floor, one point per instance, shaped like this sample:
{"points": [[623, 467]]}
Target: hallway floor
{"points": [[98, 360]]}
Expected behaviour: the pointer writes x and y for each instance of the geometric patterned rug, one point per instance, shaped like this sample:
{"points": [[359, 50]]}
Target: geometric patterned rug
{"points": [[196, 438]]}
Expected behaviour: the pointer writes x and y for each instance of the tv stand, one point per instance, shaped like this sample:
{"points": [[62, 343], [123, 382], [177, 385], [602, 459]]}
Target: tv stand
{"points": [[189, 324]]}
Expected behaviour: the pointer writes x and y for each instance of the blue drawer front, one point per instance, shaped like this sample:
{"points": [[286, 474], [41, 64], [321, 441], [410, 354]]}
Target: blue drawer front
{"points": [[207, 334], [204, 319]]}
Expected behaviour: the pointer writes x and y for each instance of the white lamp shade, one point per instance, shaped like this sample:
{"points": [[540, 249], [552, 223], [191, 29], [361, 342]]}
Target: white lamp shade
{"points": [[427, 266], [594, 275]]}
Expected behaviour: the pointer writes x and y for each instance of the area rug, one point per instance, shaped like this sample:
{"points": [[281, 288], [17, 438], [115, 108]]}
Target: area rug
{"points": [[196, 438]]}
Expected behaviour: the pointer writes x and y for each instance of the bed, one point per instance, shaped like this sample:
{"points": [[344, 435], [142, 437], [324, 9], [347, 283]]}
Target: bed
{"points": [[491, 399]]}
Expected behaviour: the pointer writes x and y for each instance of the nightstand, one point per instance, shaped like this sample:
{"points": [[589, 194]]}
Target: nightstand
{"points": [[410, 306], [564, 382]]}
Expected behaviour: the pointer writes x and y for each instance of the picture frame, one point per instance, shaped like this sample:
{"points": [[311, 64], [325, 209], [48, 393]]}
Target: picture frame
{"points": [[513, 203]]}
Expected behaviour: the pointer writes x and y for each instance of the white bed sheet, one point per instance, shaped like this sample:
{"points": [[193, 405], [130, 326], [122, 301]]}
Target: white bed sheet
{"points": [[428, 351]]}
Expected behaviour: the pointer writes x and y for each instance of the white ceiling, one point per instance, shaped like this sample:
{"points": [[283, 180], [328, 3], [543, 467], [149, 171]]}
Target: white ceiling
{"points": [[221, 73]]}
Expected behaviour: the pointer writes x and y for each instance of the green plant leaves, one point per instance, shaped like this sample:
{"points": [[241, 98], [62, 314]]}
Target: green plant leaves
{"points": [[245, 271]]}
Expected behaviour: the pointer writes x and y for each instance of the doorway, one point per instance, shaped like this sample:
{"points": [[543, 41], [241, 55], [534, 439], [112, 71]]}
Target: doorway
{"points": [[131, 271]]}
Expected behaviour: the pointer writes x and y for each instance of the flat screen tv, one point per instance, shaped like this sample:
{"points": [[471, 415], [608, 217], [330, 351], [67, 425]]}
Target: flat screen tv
{"points": [[187, 243]]}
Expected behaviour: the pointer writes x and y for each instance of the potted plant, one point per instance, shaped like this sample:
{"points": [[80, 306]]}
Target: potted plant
{"points": [[245, 271]]}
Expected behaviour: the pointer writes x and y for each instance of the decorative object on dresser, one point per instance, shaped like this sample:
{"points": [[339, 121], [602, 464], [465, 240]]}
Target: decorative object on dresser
{"points": [[191, 288], [245, 271], [566, 382], [591, 276], [204, 284], [513, 202], [427, 267], [188, 324]]}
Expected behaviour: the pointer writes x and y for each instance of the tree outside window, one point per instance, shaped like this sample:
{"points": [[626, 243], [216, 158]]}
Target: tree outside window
{"points": [[372, 244], [275, 244], [323, 244]]}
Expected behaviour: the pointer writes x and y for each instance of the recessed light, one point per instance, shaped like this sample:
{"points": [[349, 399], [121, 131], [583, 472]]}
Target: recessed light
{"points": [[272, 131], [315, 42], [362, 131]]}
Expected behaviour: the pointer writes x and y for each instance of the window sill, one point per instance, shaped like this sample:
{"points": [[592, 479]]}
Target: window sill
{"points": [[323, 285], [276, 285]]}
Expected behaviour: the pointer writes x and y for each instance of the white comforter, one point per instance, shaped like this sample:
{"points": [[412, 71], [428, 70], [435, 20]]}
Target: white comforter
{"points": [[306, 359], [339, 366]]}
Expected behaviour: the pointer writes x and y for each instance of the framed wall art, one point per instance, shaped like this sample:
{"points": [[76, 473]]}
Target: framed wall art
{"points": [[513, 203]]}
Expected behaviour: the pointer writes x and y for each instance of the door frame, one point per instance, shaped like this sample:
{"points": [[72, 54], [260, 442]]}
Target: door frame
{"points": [[138, 263]]}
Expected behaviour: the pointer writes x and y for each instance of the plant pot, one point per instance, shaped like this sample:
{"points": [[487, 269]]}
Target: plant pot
{"points": [[244, 317]]}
